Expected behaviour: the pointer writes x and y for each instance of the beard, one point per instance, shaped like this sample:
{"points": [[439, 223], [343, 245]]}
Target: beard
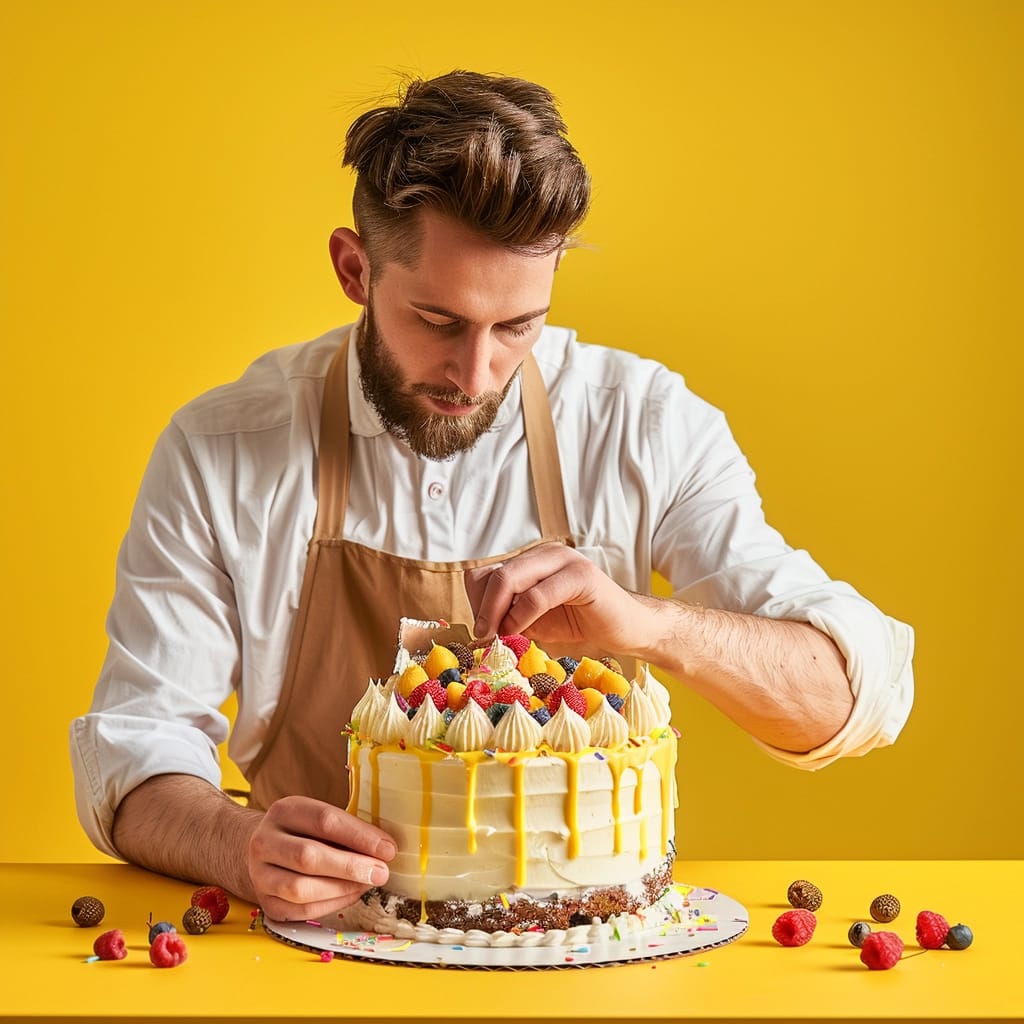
{"points": [[431, 435]]}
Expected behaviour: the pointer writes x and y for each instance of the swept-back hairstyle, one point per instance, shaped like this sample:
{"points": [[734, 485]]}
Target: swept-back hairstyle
{"points": [[489, 151]]}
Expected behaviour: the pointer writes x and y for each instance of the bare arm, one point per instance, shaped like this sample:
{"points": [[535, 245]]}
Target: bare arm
{"points": [[298, 860], [783, 682]]}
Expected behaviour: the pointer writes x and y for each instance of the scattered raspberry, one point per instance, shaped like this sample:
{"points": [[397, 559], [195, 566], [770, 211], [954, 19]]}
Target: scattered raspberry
{"points": [[196, 920], [110, 945], [326, 956], [516, 643], [959, 937], [87, 911], [804, 895], [571, 696], [543, 685], [881, 950], [168, 950], [794, 927], [433, 689], [214, 899], [932, 930], [463, 653], [885, 908], [479, 691], [513, 694], [858, 932]]}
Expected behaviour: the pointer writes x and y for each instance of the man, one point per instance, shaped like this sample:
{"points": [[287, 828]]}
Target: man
{"points": [[409, 465]]}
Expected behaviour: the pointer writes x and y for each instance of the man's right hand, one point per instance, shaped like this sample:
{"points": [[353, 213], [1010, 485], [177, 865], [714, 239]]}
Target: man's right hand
{"points": [[308, 859]]}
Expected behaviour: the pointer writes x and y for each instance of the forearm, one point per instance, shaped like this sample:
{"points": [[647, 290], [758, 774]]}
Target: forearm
{"points": [[783, 682], [180, 825]]}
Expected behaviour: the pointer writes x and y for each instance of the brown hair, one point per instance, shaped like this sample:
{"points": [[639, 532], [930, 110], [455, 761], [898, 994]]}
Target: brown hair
{"points": [[488, 151]]}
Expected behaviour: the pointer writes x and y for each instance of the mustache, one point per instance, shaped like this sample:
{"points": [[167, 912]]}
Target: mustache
{"points": [[453, 397]]}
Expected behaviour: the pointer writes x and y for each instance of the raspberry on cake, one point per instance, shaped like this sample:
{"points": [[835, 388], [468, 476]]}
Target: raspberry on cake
{"points": [[510, 822]]}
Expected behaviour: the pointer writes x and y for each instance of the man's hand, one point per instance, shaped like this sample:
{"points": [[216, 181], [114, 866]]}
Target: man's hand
{"points": [[308, 858], [557, 596]]}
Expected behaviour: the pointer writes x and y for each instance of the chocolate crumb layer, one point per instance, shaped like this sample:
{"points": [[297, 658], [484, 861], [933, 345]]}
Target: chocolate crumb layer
{"points": [[524, 911]]}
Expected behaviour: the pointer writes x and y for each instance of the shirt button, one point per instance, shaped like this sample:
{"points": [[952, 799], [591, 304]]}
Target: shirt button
{"points": [[435, 491]]}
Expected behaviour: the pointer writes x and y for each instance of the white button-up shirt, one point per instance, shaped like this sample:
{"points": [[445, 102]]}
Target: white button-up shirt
{"points": [[209, 574]]}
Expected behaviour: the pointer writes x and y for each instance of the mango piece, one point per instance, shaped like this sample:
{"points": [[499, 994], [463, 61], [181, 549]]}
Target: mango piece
{"points": [[594, 699], [411, 678], [588, 673], [439, 659], [613, 682], [455, 692], [555, 670], [533, 660]]}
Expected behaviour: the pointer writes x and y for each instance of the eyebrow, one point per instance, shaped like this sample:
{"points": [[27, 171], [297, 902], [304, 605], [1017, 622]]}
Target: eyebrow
{"points": [[441, 311]]}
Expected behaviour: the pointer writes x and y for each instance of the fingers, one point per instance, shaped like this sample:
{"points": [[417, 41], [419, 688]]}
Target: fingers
{"points": [[534, 589], [308, 858]]}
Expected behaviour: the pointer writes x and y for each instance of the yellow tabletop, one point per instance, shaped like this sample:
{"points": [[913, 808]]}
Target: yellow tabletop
{"points": [[237, 974]]}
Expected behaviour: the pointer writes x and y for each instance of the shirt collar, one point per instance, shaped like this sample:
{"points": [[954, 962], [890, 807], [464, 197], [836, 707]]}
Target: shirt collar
{"points": [[363, 418]]}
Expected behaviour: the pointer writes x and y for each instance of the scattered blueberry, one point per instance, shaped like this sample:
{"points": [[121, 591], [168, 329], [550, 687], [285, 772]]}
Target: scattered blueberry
{"points": [[409, 712], [615, 700], [450, 675], [447, 715], [858, 932], [959, 937], [541, 715], [569, 664], [159, 927]]}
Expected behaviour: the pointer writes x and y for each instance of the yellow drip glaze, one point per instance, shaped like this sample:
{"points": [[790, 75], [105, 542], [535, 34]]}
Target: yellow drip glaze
{"points": [[638, 808], [519, 820], [615, 767], [353, 779], [471, 804]]}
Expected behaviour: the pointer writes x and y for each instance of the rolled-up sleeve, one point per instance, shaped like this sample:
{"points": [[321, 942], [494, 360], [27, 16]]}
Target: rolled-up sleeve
{"points": [[714, 544], [173, 653]]}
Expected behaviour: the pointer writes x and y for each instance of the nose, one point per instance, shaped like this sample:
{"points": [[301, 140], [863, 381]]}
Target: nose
{"points": [[469, 367]]}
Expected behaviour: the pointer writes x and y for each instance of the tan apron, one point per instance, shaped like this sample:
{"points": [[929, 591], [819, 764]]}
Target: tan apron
{"points": [[346, 628]]}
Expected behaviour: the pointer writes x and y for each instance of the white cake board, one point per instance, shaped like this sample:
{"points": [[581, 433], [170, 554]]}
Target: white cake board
{"points": [[713, 919]]}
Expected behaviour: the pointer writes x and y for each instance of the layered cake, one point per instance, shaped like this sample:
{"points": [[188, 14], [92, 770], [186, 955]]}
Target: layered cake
{"points": [[525, 793]]}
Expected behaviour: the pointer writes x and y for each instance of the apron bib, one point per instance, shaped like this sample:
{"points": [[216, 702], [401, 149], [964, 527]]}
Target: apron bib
{"points": [[346, 628]]}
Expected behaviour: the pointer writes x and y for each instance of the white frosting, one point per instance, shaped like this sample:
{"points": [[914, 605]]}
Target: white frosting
{"points": [[607, 727], [639, 711], [392, 724], [470, 729], [425, 725], [363, 712], [517, 730], [566, 730], [474, 848], [659, 695]]}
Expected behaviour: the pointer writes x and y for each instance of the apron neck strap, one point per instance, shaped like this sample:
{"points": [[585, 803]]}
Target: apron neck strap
{"points": [[333, 456]]}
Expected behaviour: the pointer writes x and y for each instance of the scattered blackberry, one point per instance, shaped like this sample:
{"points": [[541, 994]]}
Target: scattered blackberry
{"points": [[196, 920], [543, 685], [885, 908], [87, 911], [804, 895]]}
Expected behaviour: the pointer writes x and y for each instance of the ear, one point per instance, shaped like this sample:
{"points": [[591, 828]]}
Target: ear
{"points": [[348, 255]]}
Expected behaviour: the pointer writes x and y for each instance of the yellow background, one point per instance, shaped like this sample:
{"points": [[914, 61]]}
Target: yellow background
{"points": [[812, 210]]}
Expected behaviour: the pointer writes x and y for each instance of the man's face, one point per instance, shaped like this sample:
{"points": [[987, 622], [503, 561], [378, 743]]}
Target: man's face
{"points": [[442, 341]]}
